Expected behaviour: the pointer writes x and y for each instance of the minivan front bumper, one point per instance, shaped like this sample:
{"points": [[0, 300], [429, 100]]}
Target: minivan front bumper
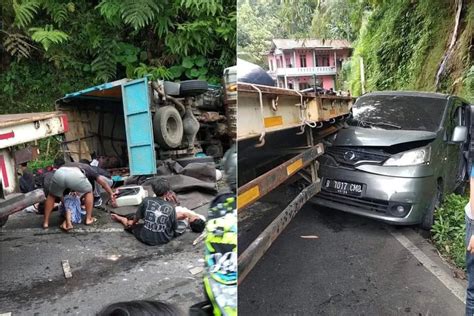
{"points": [[381, 194]]}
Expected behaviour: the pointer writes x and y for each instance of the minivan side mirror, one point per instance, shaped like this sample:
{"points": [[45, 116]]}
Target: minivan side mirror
{"points": [[459, 134]]}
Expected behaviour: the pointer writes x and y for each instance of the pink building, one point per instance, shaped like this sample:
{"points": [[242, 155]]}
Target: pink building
{"points": [[300, 64]]}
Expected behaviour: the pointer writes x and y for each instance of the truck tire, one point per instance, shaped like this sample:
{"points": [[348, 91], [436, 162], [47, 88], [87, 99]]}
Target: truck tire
{"points": [[168, 127], [191, 88], [3, 221]]}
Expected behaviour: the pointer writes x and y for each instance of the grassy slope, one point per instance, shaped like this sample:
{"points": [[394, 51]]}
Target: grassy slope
{"points": [[403, 42]]}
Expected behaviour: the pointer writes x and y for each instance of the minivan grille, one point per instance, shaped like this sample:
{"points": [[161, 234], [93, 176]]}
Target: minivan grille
{"points": [[353, 155], [363, 203]]}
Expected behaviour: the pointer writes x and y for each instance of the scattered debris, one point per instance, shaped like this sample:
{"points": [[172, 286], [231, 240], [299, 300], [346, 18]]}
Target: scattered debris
{"points": [[310, 237], [199, 239], [196, 270], [66, 269], [113, 257]]}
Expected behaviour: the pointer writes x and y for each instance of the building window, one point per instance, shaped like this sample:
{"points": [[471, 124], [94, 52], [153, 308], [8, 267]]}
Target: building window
{"points": [[324, 61], [303, 60], [278, 63], [304, 85]]}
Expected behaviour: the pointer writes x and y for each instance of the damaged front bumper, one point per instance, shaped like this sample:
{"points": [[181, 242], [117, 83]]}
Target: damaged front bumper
{"points": [[388, 194]]}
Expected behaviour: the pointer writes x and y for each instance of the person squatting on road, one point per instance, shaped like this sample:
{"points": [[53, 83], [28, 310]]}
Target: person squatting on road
{"points": [[470, 249], [160, 218], [77, 177]]}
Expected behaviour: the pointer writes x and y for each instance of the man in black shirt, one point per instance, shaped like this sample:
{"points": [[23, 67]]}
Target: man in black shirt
{"points": [[160, 219], [77, 177]]}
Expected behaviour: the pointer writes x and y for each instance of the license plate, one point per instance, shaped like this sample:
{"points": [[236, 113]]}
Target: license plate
{"points": [[343, 187]]}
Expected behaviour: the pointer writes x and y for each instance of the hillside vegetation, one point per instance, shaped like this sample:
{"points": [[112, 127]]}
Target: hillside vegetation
{"points": [[52, 47], [403, 42]]}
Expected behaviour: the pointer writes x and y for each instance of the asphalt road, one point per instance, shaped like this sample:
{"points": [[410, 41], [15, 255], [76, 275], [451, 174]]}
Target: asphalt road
{"points": [[108, 265], [354, 267]]}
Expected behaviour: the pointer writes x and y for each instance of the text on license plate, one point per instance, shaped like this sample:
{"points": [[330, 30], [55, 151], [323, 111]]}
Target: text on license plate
{"points": [[344, 187]]}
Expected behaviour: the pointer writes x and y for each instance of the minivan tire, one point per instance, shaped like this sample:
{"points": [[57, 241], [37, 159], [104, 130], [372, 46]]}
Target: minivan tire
{"points": [[168, 127], [428, 219]]}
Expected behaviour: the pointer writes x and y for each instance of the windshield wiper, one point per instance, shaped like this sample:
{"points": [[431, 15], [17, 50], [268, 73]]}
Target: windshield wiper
{"points": [[367, 123]]}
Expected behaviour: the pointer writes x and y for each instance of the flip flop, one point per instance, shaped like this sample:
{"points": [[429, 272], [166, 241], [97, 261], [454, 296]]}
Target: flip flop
{"points": [[93, 221], [64, 229]]}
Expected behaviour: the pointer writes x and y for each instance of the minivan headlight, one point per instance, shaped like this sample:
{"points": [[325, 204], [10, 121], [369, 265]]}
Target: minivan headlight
{"points": [[410, 158]]}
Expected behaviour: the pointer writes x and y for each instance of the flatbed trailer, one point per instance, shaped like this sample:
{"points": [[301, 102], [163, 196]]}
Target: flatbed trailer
{"points": [[17, 129], [287, 127]]}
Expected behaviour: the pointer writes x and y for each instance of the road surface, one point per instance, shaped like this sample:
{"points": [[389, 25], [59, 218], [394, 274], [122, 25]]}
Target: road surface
{"points": [[355, 266], [108, 265]]}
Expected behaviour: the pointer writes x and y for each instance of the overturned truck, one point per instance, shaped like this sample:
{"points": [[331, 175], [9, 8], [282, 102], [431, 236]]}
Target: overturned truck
{"points": [[130, 124]]}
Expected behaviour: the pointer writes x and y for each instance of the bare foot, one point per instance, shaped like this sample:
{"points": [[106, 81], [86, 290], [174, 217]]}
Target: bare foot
{"points": [[90, 222]]}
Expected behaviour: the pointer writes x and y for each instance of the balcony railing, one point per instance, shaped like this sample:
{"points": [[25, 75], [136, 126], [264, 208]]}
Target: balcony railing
{"points": [[306, 71]]}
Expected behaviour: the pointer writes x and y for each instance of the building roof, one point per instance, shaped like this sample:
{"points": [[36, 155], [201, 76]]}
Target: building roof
{"points": [[309, 43]]}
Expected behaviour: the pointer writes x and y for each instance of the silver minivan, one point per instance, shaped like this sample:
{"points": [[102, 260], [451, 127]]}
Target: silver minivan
{"points": [[401, 153]]}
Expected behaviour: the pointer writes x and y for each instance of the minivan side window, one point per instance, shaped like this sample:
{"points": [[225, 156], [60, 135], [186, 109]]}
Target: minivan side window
{"points": [[456, 117]]}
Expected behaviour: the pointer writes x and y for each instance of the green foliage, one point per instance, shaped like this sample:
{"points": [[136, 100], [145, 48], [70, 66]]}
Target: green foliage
{"points": [[154, 72], [254, 36], [53, 47], [17, 45], [193, 67], [210, 7], [47, 36], [25, 11], [402, 44], [449, 229]]}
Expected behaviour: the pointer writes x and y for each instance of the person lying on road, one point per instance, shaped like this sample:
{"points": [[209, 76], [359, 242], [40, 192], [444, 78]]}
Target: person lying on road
{"points": [[160, 219], [77, 177]]}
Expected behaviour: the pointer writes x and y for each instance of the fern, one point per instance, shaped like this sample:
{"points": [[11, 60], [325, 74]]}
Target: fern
{"points": [[111, 10], [104, 64], [137, 13], [209, 7], [155, 73], [58, 11], [17, 45], [47, 36], [24, 12]]}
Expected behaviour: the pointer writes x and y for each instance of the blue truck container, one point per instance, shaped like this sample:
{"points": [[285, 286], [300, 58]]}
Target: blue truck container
{"points": [[133, 123]]}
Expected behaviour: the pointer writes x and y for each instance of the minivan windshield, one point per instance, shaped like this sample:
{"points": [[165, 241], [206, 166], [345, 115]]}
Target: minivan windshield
{"points": [[398, 112]]}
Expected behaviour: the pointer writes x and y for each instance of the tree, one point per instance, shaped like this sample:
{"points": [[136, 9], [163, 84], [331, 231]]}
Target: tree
{"points": [[77, 43]]}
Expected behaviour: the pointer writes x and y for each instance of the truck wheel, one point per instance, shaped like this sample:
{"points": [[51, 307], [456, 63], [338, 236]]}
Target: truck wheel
{"points": [[3, 221], [168, 127], [191, 88], [428, 219]]}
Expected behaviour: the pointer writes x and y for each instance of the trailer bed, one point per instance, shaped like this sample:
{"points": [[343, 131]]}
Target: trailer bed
{"points": [[266, 109]]}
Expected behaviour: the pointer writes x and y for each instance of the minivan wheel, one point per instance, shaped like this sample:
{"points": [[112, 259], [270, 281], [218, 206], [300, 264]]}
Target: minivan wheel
{"points": [[428, 219]]}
